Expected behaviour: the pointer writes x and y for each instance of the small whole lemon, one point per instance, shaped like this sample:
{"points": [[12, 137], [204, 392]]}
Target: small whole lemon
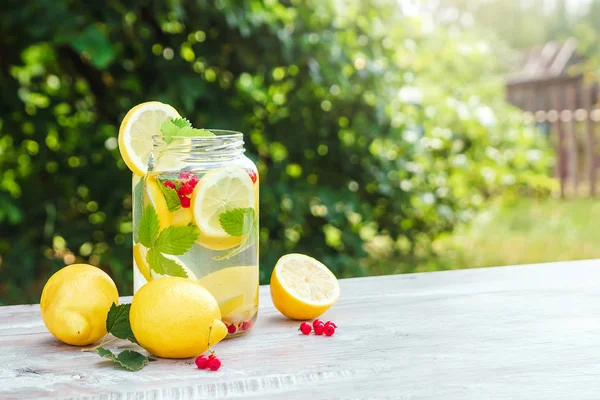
{"points": [[171, 318], [75, 302]]}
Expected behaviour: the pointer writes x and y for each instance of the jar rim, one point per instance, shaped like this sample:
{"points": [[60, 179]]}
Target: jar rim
{"points": [[219, 134]]}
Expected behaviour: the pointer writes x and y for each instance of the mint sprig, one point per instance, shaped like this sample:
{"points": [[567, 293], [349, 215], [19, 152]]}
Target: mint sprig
{"points": [[238, 221], [117, 324], [128, 359], [173, 240], [172, 128]]}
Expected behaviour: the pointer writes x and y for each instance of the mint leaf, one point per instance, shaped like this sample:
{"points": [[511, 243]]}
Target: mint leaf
{"points": [[237, 222], [117, 322], [192, 132], [176, 240], [247, 243], [170, 127], [163, 265], [149, 226], [173, 202], [128, 359]]}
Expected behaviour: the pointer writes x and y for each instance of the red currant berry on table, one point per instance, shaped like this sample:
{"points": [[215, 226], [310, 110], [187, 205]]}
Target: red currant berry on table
{"points": [[305, 328], [329, 330], [331, 323], [319, 328], [214, 364], [316, 322], [231, 328], [201, 362], [253, 175]]}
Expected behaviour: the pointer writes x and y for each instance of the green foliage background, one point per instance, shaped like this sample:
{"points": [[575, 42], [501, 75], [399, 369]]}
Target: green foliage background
{"points": [[374, 132]]}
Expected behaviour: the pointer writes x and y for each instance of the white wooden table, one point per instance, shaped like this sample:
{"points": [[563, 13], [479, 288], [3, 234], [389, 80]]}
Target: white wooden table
{"points": [[529, 332]]}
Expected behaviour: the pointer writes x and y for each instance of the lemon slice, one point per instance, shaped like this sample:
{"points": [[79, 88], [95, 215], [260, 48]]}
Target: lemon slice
{"points": [[235, 289], [303, 288], [232, 304], [181, 217], [218, 191], [137, 128], [139, 256], [155, 197]]}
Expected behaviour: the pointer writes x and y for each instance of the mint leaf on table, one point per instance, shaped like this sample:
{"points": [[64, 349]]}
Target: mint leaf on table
{"points": [[128, 359], [192, 132], [238, 221], [170, 194], [163, 265], [176, 240], [117, 322], [149, 226]]}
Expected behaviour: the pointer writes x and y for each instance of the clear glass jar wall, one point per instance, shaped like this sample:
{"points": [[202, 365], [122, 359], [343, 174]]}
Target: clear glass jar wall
{"points": [[195, 215]]}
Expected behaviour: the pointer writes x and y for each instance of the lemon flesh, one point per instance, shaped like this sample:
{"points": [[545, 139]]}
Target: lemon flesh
{"points": [[302, 288], [75, 302], [172, 317]]}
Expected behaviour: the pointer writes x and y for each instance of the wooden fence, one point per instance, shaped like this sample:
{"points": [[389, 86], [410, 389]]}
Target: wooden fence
{"points": [[573, 136]]}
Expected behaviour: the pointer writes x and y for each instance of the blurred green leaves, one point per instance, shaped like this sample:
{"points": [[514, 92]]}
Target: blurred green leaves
{"points": [[374, 134]]}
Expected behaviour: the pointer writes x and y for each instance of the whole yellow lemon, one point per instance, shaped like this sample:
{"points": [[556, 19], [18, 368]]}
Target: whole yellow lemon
{"points": [[75, 302], [171, 318]]}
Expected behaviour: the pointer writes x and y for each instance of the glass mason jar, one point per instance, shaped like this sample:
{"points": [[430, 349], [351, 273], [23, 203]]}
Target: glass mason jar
{"points": [[195, 215]]}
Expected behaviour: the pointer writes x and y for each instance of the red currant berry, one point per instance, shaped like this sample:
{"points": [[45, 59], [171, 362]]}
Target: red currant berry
{"points": [[246, 325], [329, 330], [193, 181], [316, 322], [214, 364], [331, 323], [305, 328], [319, 328], [185, 201], [184, 175], [201, 362], [231, 328], [169, 184], [253, 175], [186, 189]]}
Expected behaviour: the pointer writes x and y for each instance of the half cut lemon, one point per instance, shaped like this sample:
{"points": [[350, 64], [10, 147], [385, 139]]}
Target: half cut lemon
{"points": [[303, 288]]}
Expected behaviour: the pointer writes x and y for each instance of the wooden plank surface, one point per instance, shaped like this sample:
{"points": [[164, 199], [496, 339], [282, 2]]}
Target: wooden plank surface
{"points": [[530, 332]]}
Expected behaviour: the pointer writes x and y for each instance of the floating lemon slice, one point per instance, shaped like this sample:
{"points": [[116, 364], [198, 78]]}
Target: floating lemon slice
{"points": [[218, 191], [235, 289], [303, 288], [139, 256], [135, 134], [155, 197], [181, 217]]}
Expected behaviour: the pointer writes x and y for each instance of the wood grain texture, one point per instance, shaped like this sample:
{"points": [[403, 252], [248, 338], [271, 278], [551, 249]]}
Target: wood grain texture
{"points": [[529, 332]]}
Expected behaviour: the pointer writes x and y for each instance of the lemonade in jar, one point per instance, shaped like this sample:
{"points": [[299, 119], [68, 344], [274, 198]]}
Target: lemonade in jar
{"points": [[195, 208]]}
